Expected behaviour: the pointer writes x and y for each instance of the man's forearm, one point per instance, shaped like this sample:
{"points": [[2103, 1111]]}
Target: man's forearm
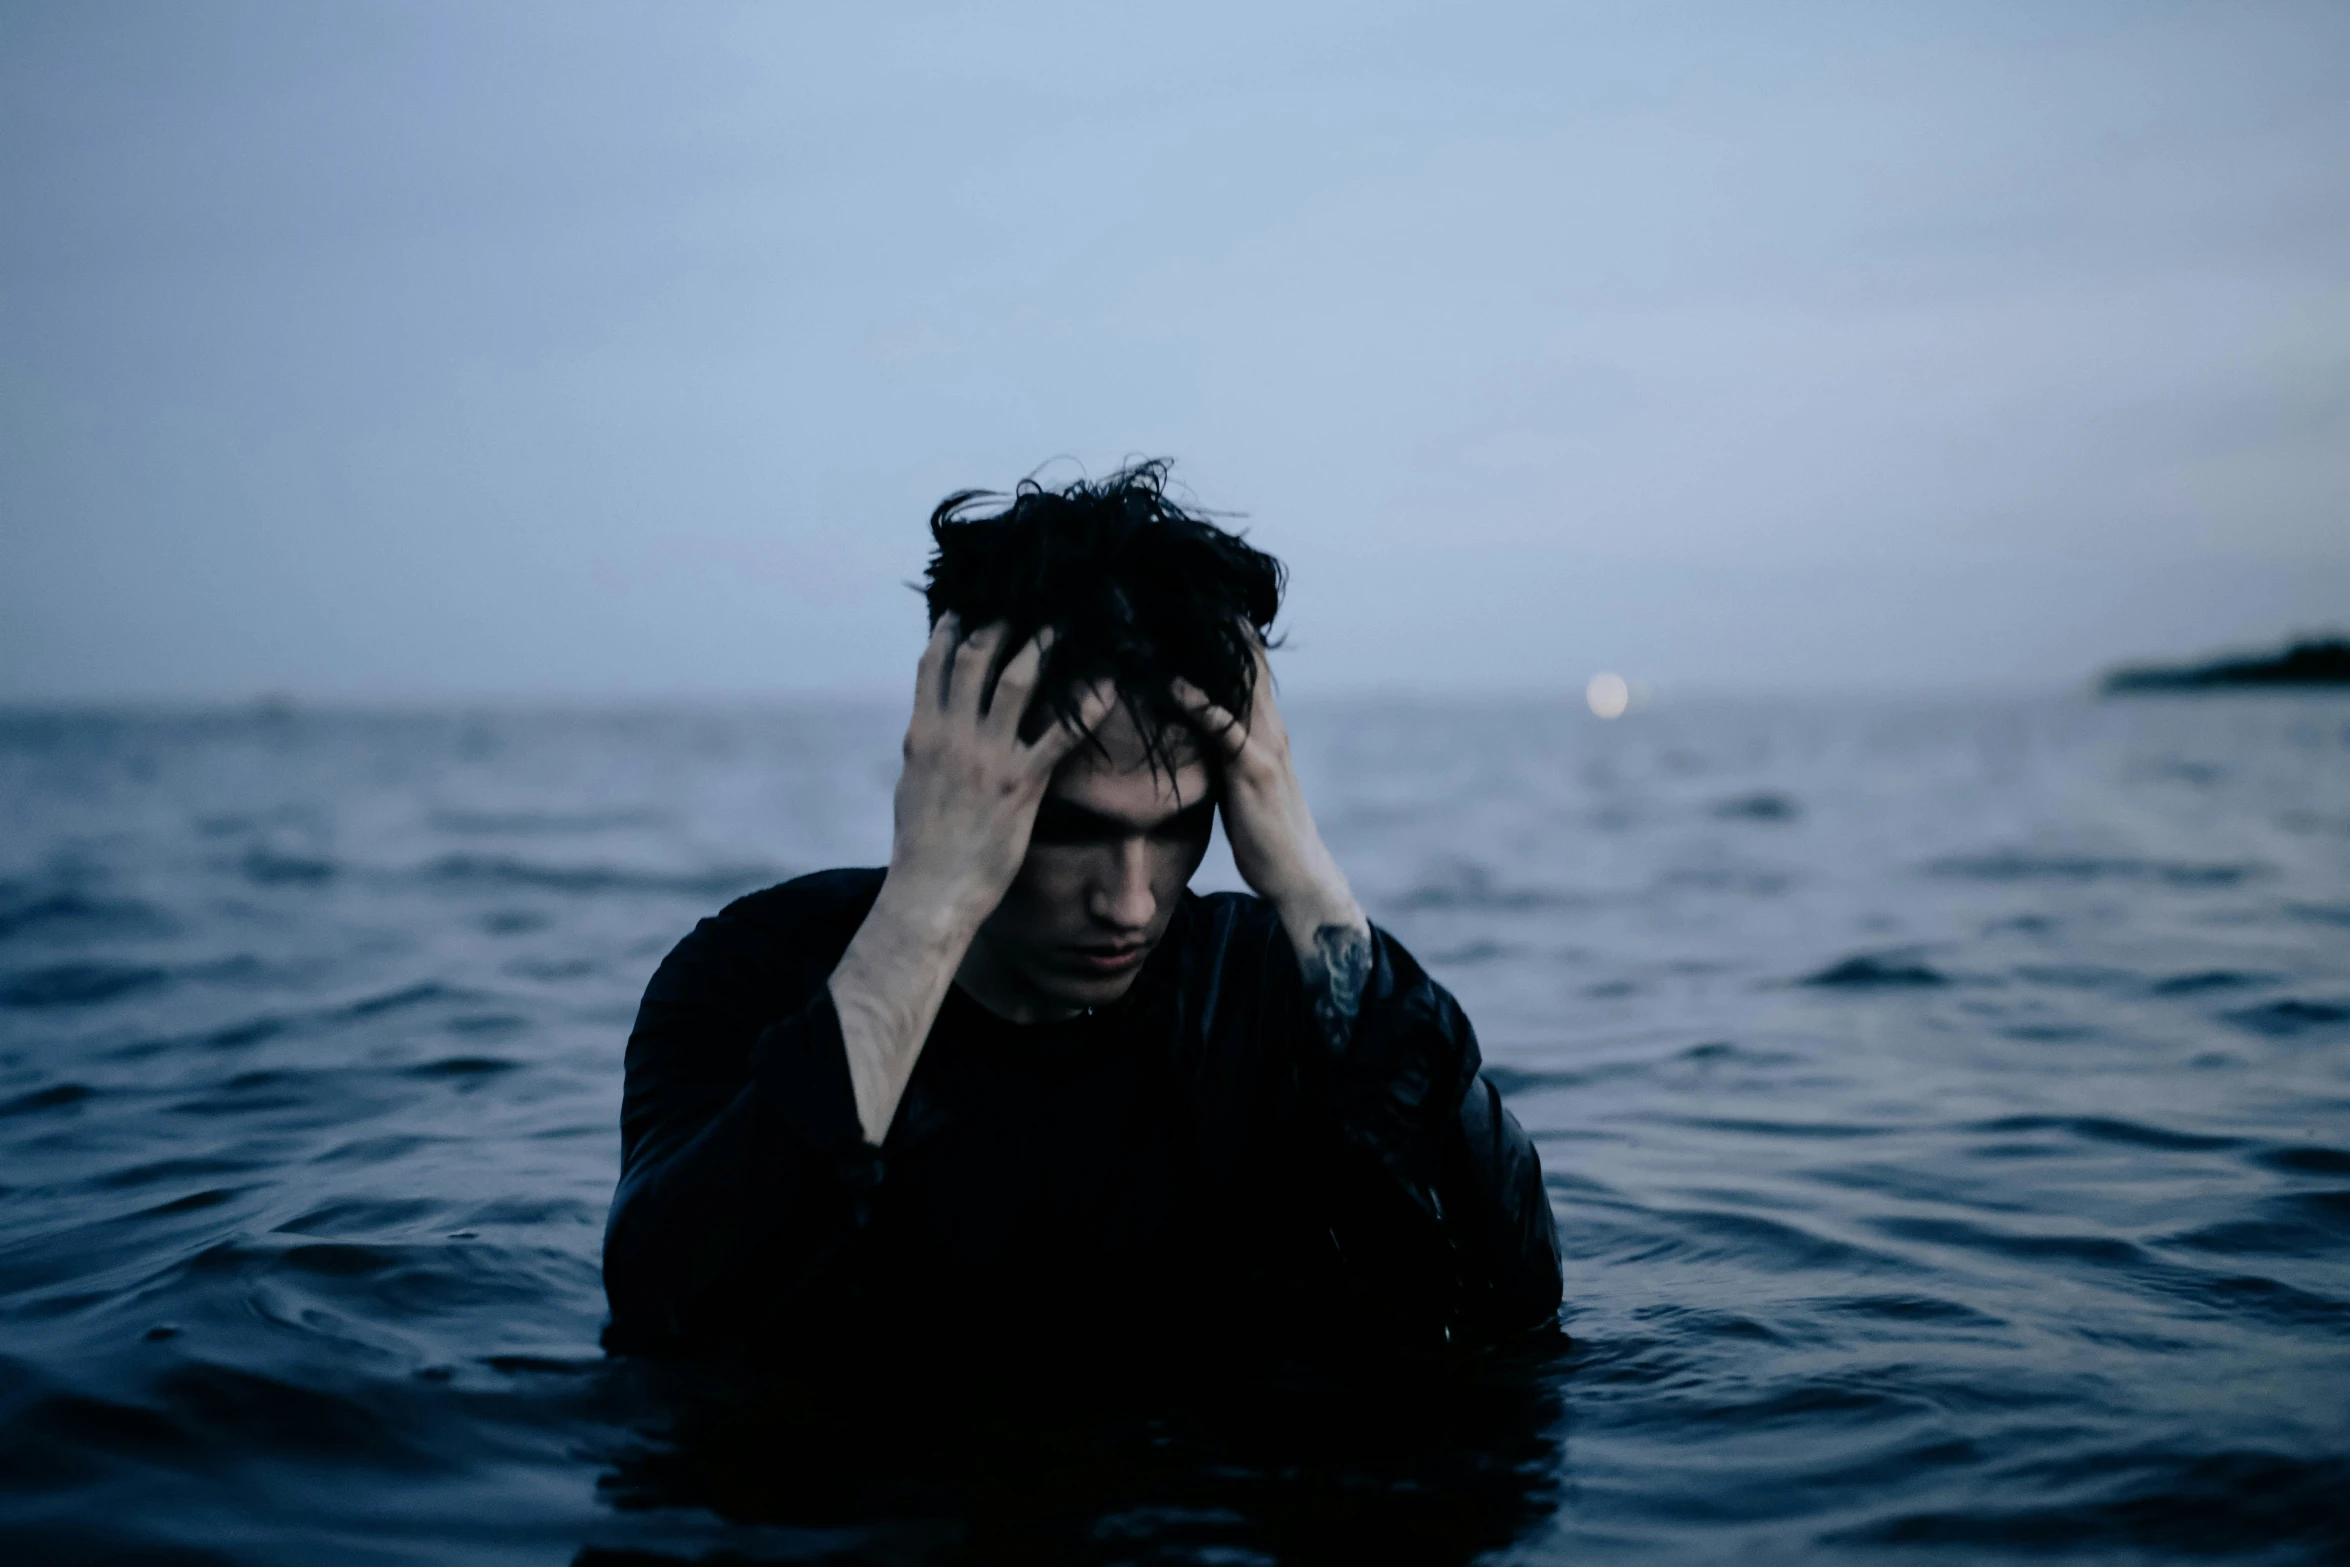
{"points": [[1332, 937], [887, 988]]}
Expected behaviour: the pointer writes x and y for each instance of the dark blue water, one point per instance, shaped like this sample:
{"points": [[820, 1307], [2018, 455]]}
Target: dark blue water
{"points": [[1946, 1105]]}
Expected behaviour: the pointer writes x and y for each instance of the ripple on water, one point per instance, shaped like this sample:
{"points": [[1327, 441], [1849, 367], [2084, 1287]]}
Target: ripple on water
{"points": [[70, 915], [2103, 1129], [2207, 980], [2294, 1018], [409, 1283], [1878, 971], [212, 1416], [1765, 805], [2287, 1224], [461, 1068], [366, 1216], [2096, 1252], [402, 999], [57, 1096], [474, 872], [2228, 1503], [1744, 1240], [2060, 868], [1908, 1310], [2306, 1161], [78, 984]]}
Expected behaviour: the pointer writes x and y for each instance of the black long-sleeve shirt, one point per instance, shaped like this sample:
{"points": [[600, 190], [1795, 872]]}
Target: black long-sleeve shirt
{"points": [[1193, 1158]]}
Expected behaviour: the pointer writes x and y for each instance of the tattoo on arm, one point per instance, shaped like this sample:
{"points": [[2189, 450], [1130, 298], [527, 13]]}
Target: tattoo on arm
{"points": [[1340, 967]]}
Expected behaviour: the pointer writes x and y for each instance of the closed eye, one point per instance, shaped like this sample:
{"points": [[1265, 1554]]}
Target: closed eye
{"points": [[1193, 821], [1060, 822]]}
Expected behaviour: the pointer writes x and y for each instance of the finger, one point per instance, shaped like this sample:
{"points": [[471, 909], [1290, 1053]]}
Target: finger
{"points": [[1059, 739], [967, 674], [930, 674], [1264, 711], [1226, 732], [1261, 687], [1264, 664], [1017, 683]]}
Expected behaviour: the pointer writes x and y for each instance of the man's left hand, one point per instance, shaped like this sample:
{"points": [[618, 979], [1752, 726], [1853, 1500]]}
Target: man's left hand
{"points": [[1275, 845]]}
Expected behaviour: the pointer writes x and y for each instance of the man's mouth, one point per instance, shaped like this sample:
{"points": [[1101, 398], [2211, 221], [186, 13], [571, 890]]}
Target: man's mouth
{"points": [[1111, 959]]}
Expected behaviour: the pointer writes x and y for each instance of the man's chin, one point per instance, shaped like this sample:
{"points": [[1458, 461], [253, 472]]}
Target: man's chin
{"points": [[1082, 991], [1098, 992]]}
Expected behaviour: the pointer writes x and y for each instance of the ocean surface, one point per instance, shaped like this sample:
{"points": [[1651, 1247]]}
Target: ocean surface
{"points": [[1946, 1106]]}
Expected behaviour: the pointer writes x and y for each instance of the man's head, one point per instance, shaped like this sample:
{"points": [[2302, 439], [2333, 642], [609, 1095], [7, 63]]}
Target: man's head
{"points": [[1137, 591]]}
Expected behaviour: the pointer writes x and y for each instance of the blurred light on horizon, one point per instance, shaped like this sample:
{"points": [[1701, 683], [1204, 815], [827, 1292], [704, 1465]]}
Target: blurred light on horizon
{"points": [[1610, 695]]}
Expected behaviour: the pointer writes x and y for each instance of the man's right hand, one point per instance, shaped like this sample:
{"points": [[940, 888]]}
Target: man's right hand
{"points": [[967, 798], [966, 804]]}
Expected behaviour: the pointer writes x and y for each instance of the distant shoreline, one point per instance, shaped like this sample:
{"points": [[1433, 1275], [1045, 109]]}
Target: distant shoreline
{"points": [[2313, 662]]}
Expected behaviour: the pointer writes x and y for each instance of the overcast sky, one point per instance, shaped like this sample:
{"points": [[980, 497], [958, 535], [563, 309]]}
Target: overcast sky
{"points": [[417, 350]]}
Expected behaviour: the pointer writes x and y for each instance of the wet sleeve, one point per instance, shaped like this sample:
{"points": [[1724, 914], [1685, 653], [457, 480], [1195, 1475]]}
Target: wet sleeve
{"points": [[745, 1176], [1437, 1194]]}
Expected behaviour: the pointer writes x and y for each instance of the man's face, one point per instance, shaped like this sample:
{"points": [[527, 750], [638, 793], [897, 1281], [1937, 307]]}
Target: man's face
{"points": [[1116, 842]]}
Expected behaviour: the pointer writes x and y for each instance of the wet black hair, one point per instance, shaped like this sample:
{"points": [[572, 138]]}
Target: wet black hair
{"points": [[1135, 587]]}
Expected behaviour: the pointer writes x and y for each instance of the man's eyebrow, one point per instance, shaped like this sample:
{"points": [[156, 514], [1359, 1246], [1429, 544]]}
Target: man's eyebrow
{"points": [[1067, 814], [1193, 812]]}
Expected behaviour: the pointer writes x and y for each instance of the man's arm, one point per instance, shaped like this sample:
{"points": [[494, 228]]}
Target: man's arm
{"points": [[747, 1138], [743, 1172], [965, 805], [1436, 1192], [1280, 854], [1436, 1176]]}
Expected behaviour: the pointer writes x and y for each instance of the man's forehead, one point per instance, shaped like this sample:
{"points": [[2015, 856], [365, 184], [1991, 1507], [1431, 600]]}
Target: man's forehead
{"points": [[1116, 745], [1119, 776]]}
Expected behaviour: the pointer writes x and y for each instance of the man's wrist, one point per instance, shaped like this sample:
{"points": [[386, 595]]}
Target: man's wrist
{"points": [[1313, 903], [909, 939], [932, 915]]}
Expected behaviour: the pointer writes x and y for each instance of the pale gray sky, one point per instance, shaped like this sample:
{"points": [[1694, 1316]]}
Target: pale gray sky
{"points": [[416, 350]]}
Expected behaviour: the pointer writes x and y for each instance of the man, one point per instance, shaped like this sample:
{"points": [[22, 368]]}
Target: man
{"points": [[1023, 1084]]}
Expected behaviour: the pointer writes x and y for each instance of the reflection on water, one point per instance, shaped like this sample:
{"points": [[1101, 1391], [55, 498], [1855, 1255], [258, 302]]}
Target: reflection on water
{"points": [[1946, 1107], [1440, 1461]]}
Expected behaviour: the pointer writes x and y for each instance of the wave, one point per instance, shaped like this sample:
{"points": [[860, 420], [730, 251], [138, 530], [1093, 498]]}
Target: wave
{"points": [[2103, 1129], [2019, 866], [1878, 971], [72, 915], [1764, 806], [56, 1097], [265, 867], [401, 1000], [541, 823], [199, 1411], [2229, 1503], [1908, 1309], [462, 1068], [1514, 1080], [2306, 1160], [2289, 1224], [78, 984], [2251, 1296], [474, 870], [2207, 980], [2098, 1251], [1466, 884], [1715, 1235], [1808, 1130], [363, 1216], [2292, 1017]]}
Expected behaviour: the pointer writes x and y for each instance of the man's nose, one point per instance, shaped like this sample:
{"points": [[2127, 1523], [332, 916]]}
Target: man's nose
{"points": [[1123, 897]]}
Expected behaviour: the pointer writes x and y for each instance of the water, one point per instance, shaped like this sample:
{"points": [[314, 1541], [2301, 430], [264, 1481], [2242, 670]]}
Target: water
{"points": [[1946, 1107]]}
